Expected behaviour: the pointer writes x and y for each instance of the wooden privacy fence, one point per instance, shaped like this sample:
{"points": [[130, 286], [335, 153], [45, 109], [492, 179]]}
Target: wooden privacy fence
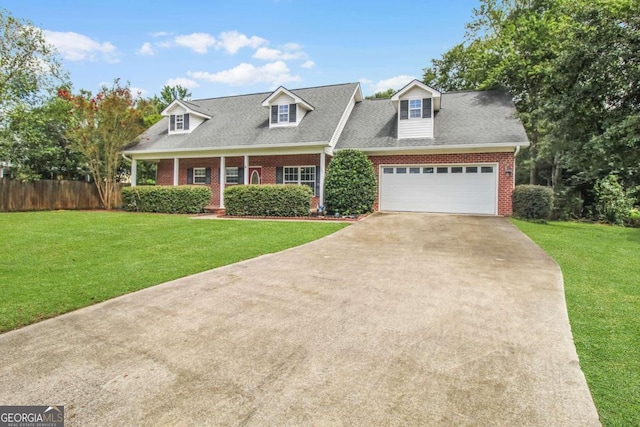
{"points": [[49, 195]]}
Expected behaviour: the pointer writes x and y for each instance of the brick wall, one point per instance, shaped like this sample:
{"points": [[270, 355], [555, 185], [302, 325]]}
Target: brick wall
{"points": [[504, 160], [269, 164]]}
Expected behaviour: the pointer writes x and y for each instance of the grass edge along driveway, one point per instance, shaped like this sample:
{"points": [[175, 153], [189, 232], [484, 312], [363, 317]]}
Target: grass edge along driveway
{"points": [[601, 269], [59, 261]]}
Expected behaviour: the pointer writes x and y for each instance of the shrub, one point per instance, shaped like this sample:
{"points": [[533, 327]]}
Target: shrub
{"points": [[532, 202], [350, 186], [613, 205], [188, 199], [634, 218], [268, 200]]}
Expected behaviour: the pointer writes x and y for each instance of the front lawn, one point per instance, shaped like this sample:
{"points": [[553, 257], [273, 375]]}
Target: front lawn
{"points": [[601, 269], [55, 262]]}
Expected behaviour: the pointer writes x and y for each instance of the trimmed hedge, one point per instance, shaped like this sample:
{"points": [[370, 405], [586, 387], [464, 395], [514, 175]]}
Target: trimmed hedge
{"points": [[350, 185], [189, 199], [267, 200], [533, 202]]}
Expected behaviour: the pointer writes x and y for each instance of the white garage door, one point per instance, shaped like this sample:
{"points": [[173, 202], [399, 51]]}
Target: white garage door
{"points": [[439, 188]]}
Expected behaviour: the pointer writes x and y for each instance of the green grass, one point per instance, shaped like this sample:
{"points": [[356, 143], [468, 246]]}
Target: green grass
{"points": [[55, 262], [601, 269]]}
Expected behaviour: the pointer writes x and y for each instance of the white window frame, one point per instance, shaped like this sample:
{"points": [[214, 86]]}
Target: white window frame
{"points": [[199, 176], [299, 181], [179, 123], [235, 179], [283, 113], [417, 109]]}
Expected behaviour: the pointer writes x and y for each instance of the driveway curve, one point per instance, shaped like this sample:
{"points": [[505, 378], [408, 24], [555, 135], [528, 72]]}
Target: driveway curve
{"points": [[400, 319]]}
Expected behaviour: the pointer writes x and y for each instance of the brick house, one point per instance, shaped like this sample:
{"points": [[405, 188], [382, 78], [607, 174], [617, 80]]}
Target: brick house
{"points": [[432, 152]]}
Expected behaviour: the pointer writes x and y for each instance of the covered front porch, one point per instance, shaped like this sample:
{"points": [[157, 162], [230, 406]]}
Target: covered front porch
{"points": [[221, 171]]}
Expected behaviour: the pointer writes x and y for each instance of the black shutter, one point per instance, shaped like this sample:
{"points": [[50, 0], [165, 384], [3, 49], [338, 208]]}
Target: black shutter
{"points": [[404, 110], [190, 176], [280, 175], [292, 113], [426, 108], [186, 122], [274, 114], [172, 120], [240, 175], [318, 172], [207, 178]]}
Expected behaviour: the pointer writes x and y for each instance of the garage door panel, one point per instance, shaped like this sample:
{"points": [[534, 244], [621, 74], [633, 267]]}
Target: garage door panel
{"points": [[439, 192]]}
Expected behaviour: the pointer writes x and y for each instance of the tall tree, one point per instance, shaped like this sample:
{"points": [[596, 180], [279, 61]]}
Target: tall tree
{"points": [[382, 94], [35, 143], [101, 126], [28, 64], [168, 94]]}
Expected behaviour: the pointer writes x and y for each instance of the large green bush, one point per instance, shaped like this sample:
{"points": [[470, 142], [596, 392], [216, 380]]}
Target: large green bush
{"points": [[613, 205], [532, 202], [268, 200], [350, 186], [187, 199]]}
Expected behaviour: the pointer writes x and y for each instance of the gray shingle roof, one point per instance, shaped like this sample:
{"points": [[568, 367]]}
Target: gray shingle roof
{"points": [[242, 121], [465, 118]]}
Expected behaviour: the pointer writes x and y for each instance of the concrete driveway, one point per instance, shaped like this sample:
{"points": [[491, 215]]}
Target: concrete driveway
{"points": [[401, 319]]}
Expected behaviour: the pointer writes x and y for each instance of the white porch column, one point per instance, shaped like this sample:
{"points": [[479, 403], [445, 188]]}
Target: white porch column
{"points": [[223, 180], [134, 172], [322, 168], [176, 170], [246, 170]]}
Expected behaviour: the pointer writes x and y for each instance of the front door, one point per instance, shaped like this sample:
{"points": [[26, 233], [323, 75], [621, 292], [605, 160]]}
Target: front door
{"points": [[255, 175]]}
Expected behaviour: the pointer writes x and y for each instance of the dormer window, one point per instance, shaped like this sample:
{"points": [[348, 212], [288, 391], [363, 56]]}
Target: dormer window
{"points": [[415, 108], [281, 114], [179, 123]]}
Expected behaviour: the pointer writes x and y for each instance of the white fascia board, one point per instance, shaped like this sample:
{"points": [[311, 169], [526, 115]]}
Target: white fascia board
{"points": [[291, 148], [442, 149], [342, 123], [434, 92], [166, 111], [282, 89]]}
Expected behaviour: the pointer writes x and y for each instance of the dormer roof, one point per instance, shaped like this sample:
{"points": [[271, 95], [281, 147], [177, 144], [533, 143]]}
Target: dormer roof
{"points": [[188, 106], [435, 94], [282, 90]]}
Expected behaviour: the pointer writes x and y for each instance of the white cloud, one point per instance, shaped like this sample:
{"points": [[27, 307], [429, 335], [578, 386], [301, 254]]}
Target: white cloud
{"points": [[308, 64], [395, 83], [182, 81], [274, 73], [365, 81], [198, 42], [160, 34], [233, 41], [146, 49], [269, 54], [78, 47], [292, 46]]}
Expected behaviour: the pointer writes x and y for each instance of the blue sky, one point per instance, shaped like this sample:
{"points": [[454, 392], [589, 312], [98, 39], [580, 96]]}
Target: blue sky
{"points": [[220, 48]]}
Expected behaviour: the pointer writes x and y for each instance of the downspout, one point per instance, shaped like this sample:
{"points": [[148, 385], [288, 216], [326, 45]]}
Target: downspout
{"points": [[515, 154]]}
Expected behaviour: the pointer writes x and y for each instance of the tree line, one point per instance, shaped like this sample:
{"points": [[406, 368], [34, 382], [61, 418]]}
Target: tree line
{"points": [[573, 69]]}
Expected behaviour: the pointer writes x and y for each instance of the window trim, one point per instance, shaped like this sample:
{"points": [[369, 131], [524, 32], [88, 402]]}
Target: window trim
{"points": [[414, 109], [299, 180], [203, 177], [281, 113], [227, 176]]}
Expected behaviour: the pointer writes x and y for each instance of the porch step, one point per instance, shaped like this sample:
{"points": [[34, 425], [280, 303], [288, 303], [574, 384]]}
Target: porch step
{"points": [[215, 210]]}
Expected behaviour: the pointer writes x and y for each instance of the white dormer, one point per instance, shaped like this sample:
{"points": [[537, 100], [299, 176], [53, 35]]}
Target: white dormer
{"points": [[183, 117], [285, 108], [416, 104]]}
